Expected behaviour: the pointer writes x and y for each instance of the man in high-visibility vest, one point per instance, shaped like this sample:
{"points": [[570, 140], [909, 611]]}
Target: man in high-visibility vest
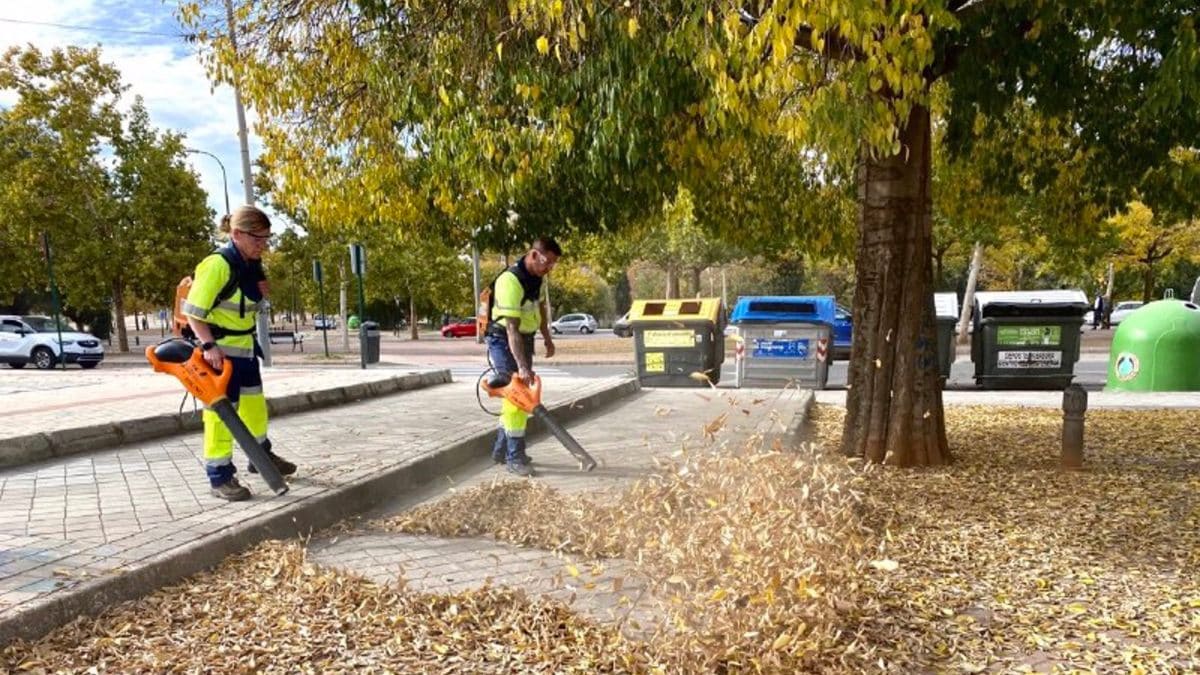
{"points": [[225, 326], [519, 310]]}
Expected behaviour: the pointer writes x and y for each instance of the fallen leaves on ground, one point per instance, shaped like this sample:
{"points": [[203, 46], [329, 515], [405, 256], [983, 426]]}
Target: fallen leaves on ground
{"points": [[271, 611], [768, 560], [998, 562]]}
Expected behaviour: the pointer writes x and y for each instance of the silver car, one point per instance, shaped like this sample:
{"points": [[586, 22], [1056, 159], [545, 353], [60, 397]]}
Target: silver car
{"points": [[574, 323], [1124, 309]]}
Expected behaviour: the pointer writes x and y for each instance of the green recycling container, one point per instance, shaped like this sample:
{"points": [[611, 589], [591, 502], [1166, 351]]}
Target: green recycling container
{"points": [[353, 322], [1027, 339], [1157, 348]]}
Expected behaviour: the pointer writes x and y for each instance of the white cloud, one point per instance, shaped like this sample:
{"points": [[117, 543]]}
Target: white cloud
{"points": [[163, 69]]}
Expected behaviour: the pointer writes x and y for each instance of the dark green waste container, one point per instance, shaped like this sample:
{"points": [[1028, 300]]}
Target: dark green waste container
{"points": [[1027, 339], [678, 343], [368, 335], [945, 306]]}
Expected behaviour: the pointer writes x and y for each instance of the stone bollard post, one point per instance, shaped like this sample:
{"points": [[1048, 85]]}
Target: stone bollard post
{"points": [[1074, 406]]}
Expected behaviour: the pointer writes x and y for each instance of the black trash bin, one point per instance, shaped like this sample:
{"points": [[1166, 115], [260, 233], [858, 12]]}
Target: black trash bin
{"points": [[945, 307], [368, 336], [1027, 339]]}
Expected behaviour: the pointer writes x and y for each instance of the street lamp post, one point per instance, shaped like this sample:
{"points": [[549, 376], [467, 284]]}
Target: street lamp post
{"points": [[224, 180]]}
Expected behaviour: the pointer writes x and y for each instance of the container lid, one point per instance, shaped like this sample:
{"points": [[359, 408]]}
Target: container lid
{"points": [[1073, 302], [945, 305], [667, 311], [785, 308]]}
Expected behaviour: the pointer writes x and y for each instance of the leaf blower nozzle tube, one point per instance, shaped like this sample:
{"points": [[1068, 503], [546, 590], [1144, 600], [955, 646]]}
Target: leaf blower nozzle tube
{"points": [[185, 361]]}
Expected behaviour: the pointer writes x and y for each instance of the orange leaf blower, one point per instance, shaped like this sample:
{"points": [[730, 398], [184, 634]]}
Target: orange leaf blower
{"points": [[528, 397], [186, 362]]}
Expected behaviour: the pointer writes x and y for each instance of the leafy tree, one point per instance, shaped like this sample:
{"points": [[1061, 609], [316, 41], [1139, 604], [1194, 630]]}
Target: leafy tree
{"points": [[590, 113], [1146, 243], [50, 139], [160, 223], [125, 226]]}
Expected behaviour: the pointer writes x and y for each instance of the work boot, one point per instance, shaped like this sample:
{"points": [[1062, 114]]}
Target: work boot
{"points": [[231, 490], [284, 467], [520, 469]]}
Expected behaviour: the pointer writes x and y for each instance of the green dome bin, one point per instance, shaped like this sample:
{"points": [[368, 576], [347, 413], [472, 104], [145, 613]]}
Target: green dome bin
{"points": [[1157, 348]]}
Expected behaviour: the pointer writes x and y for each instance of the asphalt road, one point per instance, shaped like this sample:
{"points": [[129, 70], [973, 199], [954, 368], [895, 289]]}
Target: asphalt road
{"points": [[1090, 372]]}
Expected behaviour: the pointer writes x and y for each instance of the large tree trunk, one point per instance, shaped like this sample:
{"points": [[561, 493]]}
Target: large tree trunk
{"points": [[1148, 283], [672, 282], [894, 402], [119, 310]]}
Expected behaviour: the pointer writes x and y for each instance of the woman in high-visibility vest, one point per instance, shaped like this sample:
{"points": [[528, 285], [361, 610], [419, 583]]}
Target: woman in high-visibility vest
{"points": [[223, 320]]}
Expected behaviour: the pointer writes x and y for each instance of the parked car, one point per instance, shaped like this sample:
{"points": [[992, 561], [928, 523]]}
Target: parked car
{"points": [[621, 327], [35, 339], [1124, 309], [460, 328], [579, 323], [843, 332], [321, 322]]}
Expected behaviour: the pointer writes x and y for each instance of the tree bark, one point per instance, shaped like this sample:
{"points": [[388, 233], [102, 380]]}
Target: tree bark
{"points": [[894, 400], [119, 311], [968, 305], [1148, 283], [695, 275], [412, 318], [672, 282]]}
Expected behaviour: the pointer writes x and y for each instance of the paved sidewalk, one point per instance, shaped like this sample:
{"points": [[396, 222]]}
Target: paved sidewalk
{"points": [[33, 401], [79, 533], [626, 439]]}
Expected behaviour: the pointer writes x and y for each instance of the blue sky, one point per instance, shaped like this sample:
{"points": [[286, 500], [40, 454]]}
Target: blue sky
{"points": [[155, 63]]}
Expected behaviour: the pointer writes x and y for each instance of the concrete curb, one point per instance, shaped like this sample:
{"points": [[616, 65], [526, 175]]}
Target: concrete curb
{"points": [[296, 520], [35, 447]]}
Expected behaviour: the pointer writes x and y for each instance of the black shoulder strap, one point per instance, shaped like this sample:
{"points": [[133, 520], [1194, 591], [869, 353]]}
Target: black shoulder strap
{"points": [[492, 295], [231, 284]]}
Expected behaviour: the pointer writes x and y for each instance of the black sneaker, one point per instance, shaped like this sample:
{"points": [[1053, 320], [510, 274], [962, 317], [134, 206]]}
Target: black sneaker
{"points": [[519, 469], [231, 490], [284, 467], [522, 458]]}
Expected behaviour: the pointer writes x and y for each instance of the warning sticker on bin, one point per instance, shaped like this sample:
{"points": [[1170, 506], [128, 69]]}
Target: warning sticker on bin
{"points": [[1028, 359], [668, 338], [780, 349], [655, 363]]}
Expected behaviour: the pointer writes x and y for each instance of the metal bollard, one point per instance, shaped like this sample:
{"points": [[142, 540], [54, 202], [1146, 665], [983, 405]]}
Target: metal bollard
{"points": [[1074, 406]]}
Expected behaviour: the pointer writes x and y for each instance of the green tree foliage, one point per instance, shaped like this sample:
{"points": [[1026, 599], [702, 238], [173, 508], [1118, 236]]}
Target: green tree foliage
{"points": [[1147, 244], [575, 288], [126, 216], [589, 113]]}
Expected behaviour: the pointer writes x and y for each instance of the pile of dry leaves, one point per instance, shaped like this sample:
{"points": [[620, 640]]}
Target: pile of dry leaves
{"points": [[766, 559]]}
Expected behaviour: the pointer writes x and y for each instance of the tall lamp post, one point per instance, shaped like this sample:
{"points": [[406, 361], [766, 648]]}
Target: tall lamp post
{"points": [[224, 179]]}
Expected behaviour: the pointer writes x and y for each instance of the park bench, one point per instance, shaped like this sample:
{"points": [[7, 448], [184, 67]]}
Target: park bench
{"points": [[283, 336]]}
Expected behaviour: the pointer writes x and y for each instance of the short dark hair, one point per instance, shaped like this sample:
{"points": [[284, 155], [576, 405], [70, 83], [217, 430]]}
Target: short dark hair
{"points": [[547, 245]]}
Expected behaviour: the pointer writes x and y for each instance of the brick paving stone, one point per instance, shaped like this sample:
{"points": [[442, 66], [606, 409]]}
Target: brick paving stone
{"points": [[110, 511]]}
